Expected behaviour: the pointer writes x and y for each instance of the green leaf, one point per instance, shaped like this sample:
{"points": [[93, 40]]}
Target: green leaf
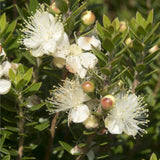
{"points": [[33, 5], [150, 17], [37, 107], [146, 40], [69, 24], [149, 58], [105, 71], [28, 56], [25, 158], [102, 157], [2, 140], [11, 27], [3, 23], [140, 67], [7, 157], [14, 129], [66, 146], [12, 75], [28, 75], [140, 20], [32, 88], [5, 151], [101, 56], [153, 157], [108, 44], [20, 70], [111, 29], [106, 21], [80, 9], [138, 45], [116, 24], [62, 5], [141, 31], [141, 86], [42, 126]]}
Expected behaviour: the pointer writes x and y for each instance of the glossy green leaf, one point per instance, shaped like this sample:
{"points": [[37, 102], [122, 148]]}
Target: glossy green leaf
{"points": [[108, 44], [153, 157], [33, 4], [106, 21], [37, 107], [7, 157], [42, 126], [2, 139], [65, 146], [138, 45], [12, 75], [115, 23], [149, 58], [141, 31], [140, 20], [102, 157], [3, 23], [28, 75], [150, 17]]}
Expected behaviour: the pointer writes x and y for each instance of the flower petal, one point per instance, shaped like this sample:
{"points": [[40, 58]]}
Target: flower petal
{"points": [[79, 114], [5, 86], [88, 60]]}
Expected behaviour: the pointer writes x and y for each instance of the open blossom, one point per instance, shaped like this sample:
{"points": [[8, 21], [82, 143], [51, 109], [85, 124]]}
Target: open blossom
{"points": [[44, 34], [70, 97], [79, 62], [127, 114]]}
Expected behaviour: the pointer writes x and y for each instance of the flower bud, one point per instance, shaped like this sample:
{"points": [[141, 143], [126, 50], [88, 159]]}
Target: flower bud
{"points": [[59, 62], [55, 9], [122, 26], [91, 122], [88, 86], [129, 42], [75, 150], [107, 102], [153, 49], [88, 18]]}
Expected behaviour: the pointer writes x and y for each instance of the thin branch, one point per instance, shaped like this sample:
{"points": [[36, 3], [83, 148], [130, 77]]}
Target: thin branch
{"points": [[52, 133]]}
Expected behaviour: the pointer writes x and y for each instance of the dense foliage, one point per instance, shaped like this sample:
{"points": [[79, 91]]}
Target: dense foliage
{"points": [[128, 59]]}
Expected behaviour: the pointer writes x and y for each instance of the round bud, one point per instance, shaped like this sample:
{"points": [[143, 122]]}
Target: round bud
{"points": [[129, 42], [55, 9], [122, 26], [153, 49], [91, 122], [107, 102], [88, 86], [88, 18]]}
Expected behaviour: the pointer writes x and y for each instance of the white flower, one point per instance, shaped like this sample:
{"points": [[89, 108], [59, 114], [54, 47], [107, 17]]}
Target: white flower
{"points": [[127, 114], [70, 97], [86, 42], [5, 86], [79, 62], [43, 33]]}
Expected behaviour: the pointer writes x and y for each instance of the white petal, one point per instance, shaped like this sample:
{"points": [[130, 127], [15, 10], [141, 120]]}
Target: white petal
{"points": [[74, 63], [86, 42], [37, 52], [59, 62], [88, 60], [79, 114], [114, 126], [6, 66], [3, 53], [1, 71], [5, 86]]}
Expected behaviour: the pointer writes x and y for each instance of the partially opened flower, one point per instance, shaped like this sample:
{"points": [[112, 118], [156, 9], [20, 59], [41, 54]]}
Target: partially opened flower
{"points": [[79, 62], [128, 115], [43, 33], [5, 86], [70, 97]]}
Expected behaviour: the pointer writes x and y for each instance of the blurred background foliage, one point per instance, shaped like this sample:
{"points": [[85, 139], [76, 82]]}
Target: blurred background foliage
{"points": [[116, 147]]}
